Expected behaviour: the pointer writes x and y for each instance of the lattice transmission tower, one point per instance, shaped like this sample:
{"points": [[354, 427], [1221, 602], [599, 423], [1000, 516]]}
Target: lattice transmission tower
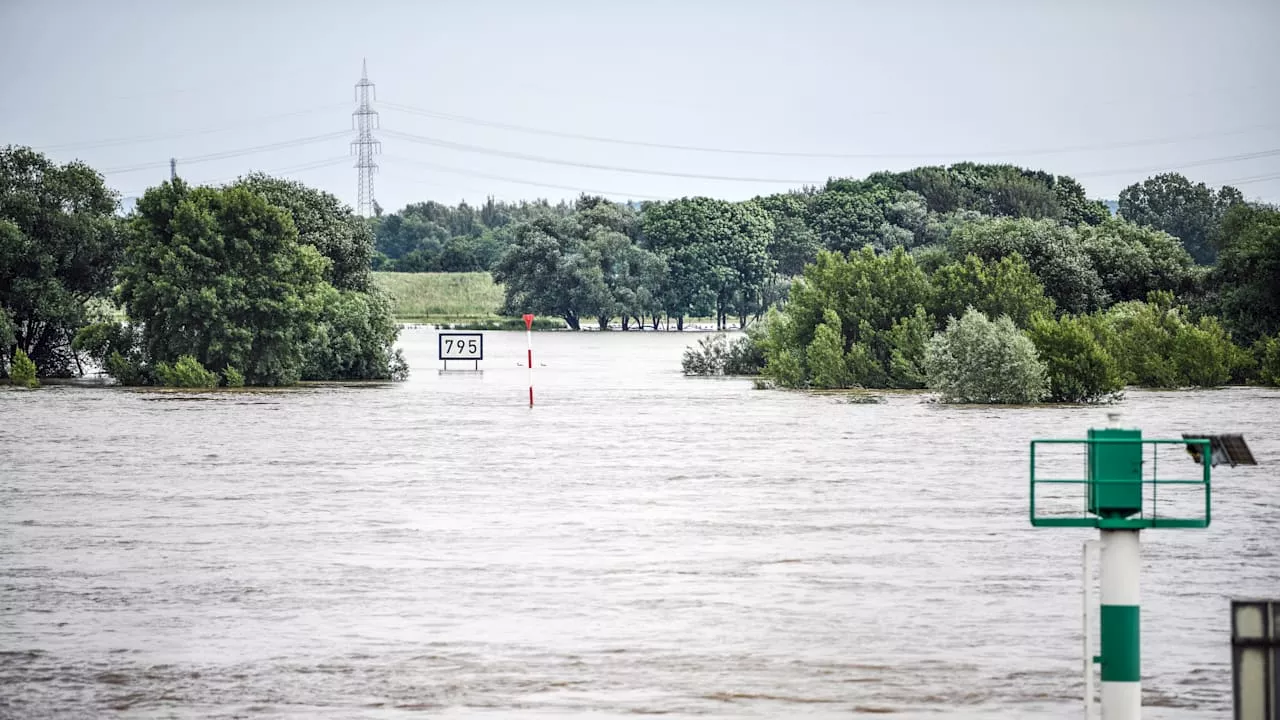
{"points": [[364, 147]]}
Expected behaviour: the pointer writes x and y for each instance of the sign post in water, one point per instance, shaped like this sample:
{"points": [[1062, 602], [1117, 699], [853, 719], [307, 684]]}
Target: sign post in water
{"points": [[528, 331], [461, 346]]}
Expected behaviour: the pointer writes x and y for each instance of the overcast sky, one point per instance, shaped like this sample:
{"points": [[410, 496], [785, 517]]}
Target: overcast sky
{"points": [[1108, 92]]}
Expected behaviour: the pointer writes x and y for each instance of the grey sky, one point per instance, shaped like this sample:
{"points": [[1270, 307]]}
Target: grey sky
{"points": [[941, 81]]}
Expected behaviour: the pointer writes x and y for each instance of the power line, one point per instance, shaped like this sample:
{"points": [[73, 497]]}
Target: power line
{"points": [[315, 165], [139, 139], [592, 166], [1254, 179], [536, 158], [278, 171], [227, 153], [820, 155], [1179, 166], [518, 181]]}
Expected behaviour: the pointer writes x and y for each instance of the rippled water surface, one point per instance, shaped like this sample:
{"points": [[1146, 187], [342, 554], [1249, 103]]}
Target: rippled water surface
{"points": [[639, 542]]}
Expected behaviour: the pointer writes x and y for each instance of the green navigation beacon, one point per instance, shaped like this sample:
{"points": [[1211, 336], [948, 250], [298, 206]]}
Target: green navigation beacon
{"points": [[1120, 495]]}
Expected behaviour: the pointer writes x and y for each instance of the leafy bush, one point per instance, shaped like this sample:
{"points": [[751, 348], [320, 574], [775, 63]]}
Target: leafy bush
{"points": [[354, 338], [708, 358], [827, 365], [746, 356], [1080, 370], [1267, 354], [23, 370], [186, 373], [128, 371], [1157, 346], [907, 341], [976, 360], [872, 304], [715, 355], [233, 377]]}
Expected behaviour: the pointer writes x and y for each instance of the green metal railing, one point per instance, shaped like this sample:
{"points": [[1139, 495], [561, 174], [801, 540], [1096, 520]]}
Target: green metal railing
{"points": [[1145, 517]]}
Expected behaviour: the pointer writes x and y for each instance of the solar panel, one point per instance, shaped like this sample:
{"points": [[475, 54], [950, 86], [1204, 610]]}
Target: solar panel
{"points": [[1230, 449]]}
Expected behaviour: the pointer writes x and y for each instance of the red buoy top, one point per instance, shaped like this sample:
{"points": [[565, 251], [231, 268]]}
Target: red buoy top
{"points": [[528, 322]]}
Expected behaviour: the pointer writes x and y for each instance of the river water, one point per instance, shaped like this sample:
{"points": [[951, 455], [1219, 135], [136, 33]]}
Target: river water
{"points": [[638, 542]]}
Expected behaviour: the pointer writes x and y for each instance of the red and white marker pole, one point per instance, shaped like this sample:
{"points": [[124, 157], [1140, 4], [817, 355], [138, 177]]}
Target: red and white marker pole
{"points": [[528, 331]]}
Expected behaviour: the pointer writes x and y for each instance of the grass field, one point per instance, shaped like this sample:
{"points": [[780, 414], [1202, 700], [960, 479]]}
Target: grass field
{"points": [[441, 296], [470, 300]]}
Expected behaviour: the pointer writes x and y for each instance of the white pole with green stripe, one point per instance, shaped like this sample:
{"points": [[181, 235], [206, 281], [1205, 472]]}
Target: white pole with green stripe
{"points": [[1120, 656], [1116, 504]]}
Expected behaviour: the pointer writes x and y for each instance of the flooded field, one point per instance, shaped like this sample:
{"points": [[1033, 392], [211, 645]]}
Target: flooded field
{"points": [[637, 543]]}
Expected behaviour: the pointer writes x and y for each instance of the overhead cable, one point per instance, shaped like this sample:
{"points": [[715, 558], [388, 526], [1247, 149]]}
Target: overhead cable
{"points": [[828, 155], [228, 153], [502, 178], [140, 139], [463, 147]]}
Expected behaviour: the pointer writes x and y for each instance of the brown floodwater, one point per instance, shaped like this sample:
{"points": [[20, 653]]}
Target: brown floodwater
{"points": [[639, 542]]}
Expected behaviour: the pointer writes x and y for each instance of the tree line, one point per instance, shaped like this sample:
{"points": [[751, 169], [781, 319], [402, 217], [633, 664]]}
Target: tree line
{"points": [[701, 257], [263, 281], [266, 281], [1022, 310]]}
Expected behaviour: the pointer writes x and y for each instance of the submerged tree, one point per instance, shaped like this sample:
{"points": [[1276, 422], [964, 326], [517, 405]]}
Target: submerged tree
{"points": [[219, 274], [59, 243], [977, 360]]}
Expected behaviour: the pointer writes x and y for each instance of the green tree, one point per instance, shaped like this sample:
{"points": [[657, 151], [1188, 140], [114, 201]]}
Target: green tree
{"points": [[1189, 212], [908, 340], [1134, 261], [1052, 251], [219, 274], [1076, 209], [828, 366], [632, 276], [325, 223], [59, 244], [354, 338], [1156, 345], [977, 360], [1079, 368], [793, 244], [355, 333], [1000, 287], [715, 250], [1247, 278], [994, 190], [847, 219], [1013, 192], [870, 296], [544, 272]]}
